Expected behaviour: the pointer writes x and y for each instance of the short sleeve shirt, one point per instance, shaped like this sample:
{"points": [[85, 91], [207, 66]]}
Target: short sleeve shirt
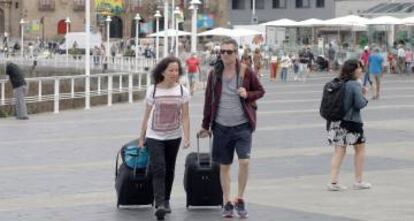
{"points": [[165, 121], [375, 64]]}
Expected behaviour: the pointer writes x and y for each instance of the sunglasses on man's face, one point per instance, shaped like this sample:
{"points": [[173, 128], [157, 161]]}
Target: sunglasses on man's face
{"points": [[229, 52]]}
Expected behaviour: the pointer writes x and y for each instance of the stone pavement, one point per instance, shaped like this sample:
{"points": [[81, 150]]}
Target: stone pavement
{"points": [[61, 167]]}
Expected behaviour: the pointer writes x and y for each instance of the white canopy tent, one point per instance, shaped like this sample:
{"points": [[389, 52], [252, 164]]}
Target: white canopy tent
{"points": [[170, 33], [241, 32], [408, 21], [384, 20], [388, 21], [281, 23], [349, 20], [217, 32], [312, 22]]}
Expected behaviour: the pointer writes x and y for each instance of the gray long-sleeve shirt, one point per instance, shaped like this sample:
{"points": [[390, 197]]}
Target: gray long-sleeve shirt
{"points": [[354, 101]]}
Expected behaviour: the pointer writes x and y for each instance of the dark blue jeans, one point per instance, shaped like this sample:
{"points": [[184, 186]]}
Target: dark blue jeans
{"points": [[163, 155]]}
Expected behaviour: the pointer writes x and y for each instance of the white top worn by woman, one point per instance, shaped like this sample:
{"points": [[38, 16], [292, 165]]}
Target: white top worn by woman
{"points": [[165, 121]]}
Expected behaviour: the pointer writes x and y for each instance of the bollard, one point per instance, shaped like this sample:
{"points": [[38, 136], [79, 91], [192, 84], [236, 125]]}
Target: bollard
{"points": [[56, 98], [120, 83], [2, 93], [72, 87], [40, 90], [130, 88], [109, 90]]}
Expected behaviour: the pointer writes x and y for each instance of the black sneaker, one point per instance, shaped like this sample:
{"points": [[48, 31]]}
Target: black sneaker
{"points": [[160, 213], [228, 210], [240, 207], [167, 206]]}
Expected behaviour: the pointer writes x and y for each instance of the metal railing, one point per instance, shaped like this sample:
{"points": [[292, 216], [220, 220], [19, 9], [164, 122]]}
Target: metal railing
{"points": [[57, 95], [114, 63]]}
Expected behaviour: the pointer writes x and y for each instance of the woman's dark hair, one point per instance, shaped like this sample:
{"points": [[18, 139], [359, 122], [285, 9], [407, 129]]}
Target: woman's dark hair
{"points": [[348, 69], [162, 65]]}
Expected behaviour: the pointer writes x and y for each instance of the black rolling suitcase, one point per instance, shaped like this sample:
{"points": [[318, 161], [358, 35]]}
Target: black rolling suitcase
{"points": [[133, 185], [202, 179]]}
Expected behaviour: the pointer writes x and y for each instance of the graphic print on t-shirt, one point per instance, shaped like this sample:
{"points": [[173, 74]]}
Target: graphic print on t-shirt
{"points": [[167, 113]]}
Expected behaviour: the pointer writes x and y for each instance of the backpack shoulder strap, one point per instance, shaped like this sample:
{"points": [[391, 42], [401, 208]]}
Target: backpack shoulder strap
{"points": [[242, 73], [181, 90], [153, 93]]}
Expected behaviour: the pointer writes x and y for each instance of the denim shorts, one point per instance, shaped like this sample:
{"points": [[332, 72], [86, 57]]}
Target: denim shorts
{"points": [[227, 140]]}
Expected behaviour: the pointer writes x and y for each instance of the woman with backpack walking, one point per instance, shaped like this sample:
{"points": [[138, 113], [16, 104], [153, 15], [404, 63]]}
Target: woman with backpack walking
{"points": [[349, 130], [165, 121]]}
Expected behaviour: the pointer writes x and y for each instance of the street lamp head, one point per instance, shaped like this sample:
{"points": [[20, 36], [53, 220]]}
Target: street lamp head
{"points": [[68, 20], [157, 14], [137, 17], [108, 19], [22, 21], [195, 2]]}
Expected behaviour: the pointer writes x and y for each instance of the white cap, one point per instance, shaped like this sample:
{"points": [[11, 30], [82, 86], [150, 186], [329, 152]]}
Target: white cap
{"points": [[366, 47]]}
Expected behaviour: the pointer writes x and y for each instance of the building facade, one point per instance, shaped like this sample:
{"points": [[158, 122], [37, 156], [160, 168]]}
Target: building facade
{"points": [[45, 19], [240, 11], [10, 14]]}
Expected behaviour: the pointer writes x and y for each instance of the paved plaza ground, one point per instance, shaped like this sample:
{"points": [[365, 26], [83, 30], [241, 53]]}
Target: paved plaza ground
{"points": [[60, 167]]}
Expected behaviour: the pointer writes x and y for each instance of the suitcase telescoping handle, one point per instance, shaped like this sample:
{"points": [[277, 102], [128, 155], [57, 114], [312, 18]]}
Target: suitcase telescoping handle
{"points": [[209, 152]]}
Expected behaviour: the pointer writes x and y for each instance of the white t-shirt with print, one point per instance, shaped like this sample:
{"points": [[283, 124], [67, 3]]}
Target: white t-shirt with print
{"points": [[165, 121]]}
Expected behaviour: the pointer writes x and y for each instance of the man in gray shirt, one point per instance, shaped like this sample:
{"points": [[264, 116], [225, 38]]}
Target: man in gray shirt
{"points": [[230, 111]]}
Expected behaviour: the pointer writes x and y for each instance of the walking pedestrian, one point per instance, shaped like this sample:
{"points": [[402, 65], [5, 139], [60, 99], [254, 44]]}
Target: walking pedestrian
{"points": [[375, 62], [193, 70], [257, 62], [230, 111], [165, 121], [349, 130], [273, 67], [286, 64], [364, 59]]}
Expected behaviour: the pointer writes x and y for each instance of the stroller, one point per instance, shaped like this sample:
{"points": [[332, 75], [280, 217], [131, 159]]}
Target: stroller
{"points": [[322, 63]]}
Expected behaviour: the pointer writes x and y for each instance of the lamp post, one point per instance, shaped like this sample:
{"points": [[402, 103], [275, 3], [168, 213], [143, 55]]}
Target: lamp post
{"points": [[108, 22], [87, 53], [177, 13], [22, 35], [137, 19], [157, 38], [165, 28], [67, 21], [194, 6]]}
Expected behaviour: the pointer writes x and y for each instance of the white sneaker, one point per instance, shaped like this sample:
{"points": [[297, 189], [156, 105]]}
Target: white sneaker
{"points": [[361, 185], [335, 187]]}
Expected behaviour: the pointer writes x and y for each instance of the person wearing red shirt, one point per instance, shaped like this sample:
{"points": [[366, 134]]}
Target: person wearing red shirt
{"points": [[193, 68]]}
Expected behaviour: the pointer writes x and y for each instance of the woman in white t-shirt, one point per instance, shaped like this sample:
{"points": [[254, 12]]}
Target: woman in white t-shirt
{"points": [[165, 121]]}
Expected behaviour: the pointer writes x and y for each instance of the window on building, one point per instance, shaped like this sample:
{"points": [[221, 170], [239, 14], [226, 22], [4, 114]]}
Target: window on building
{"points": [[17, 5], [279, 4], [135, 6], [260, 4], [78, 5], [320, 3], [237, 4], [46, 5], [302, 3]]}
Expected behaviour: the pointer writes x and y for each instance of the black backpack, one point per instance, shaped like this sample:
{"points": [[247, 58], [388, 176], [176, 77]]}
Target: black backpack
{"points": [[332, 105]]}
